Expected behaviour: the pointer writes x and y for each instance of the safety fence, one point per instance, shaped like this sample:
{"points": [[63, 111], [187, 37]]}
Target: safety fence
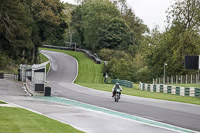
{"points": [[182, 91], [178, 79], [8, 76], [124, 83], [94, 57]]}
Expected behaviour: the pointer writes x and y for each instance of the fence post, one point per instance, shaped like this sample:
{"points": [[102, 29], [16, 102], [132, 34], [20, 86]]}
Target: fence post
{"points": [[181, 79], [196, 78], [167, 80], [186, 78], [171, 79]]}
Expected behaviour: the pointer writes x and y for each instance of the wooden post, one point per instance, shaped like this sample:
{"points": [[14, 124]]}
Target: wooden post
{"points": [[167, 80], [172, 80], [186, 78], [181, 79], [197, 78]]}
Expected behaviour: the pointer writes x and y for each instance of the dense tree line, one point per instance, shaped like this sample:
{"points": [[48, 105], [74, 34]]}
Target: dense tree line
{"points": [[27, 24], [107, 27], [133, 52], [180, 38]]}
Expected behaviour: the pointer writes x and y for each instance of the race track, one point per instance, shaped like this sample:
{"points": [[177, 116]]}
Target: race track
{"points": [[64, 70]]}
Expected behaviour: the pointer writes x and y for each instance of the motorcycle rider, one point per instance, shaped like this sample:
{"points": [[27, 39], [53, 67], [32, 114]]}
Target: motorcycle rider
{"points": [[114, 89]]}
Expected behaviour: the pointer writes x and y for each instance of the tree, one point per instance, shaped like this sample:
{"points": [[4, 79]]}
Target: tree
{"points": [[115, 35], [49, 18], [15, 32]]}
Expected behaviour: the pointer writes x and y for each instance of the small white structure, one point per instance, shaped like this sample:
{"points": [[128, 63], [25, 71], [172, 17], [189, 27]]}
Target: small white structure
{"points": [[35, 77]]}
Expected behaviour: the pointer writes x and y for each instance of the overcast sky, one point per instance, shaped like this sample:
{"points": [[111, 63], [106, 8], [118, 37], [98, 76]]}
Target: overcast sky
{"points": [[152, 12]]}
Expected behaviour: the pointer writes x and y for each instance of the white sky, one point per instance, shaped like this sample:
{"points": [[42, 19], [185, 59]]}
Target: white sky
{"points": [[152, 12]]}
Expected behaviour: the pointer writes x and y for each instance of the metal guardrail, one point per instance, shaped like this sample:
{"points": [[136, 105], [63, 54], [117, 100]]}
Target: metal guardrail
{"points": [[94, 57], [8, 76]]}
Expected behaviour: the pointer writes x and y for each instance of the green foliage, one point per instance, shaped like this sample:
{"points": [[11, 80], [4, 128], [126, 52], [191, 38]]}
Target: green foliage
{"points": [[180, 38], [100, 25], [49, 18], [25, 25], [115, 35]]}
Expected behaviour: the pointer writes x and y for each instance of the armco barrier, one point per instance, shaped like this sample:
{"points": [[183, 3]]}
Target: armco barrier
{"points": [[183, 91], [94, 57], [124, 83]]}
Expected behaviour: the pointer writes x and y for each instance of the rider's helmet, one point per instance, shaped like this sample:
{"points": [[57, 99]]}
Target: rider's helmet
{"points": [[117, 84]]}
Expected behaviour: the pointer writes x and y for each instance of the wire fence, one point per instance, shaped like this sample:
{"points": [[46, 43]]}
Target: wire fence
{"points": [[178, 79]]}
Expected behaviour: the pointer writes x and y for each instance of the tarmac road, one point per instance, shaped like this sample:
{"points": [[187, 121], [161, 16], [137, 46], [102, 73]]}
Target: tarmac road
{"points": [[64, 70]]}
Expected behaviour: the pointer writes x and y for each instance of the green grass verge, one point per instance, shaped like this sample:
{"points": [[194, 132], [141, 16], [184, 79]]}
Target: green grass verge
{"points": [[186, 85], [137, 92], [88, 71], [17, 120], [43, 58], [90, 76], [2, 102]]}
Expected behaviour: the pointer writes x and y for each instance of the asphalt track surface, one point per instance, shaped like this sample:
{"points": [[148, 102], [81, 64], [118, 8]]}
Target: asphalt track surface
{"points": [[64, 70]]}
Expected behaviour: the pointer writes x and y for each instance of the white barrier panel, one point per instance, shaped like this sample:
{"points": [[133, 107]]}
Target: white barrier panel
{"points": [[182, 91], [192, 91], [146, 87], [164, 88], [173, 89], [158, 88], [151, 87]]}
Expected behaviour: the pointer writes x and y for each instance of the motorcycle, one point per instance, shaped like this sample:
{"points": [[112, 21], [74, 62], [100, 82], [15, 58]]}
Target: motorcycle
{"points": [[117, 95]]}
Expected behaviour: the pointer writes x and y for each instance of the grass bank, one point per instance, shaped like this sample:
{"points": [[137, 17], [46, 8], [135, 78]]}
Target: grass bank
{"points": [[186, 85], [2, 102], [88, 71], [17, 120], [45, 59], [137, 92], [90, 76]]}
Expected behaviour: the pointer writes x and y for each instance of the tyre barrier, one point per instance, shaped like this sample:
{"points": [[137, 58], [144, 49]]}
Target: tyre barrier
{"points": [[168, 89]]}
